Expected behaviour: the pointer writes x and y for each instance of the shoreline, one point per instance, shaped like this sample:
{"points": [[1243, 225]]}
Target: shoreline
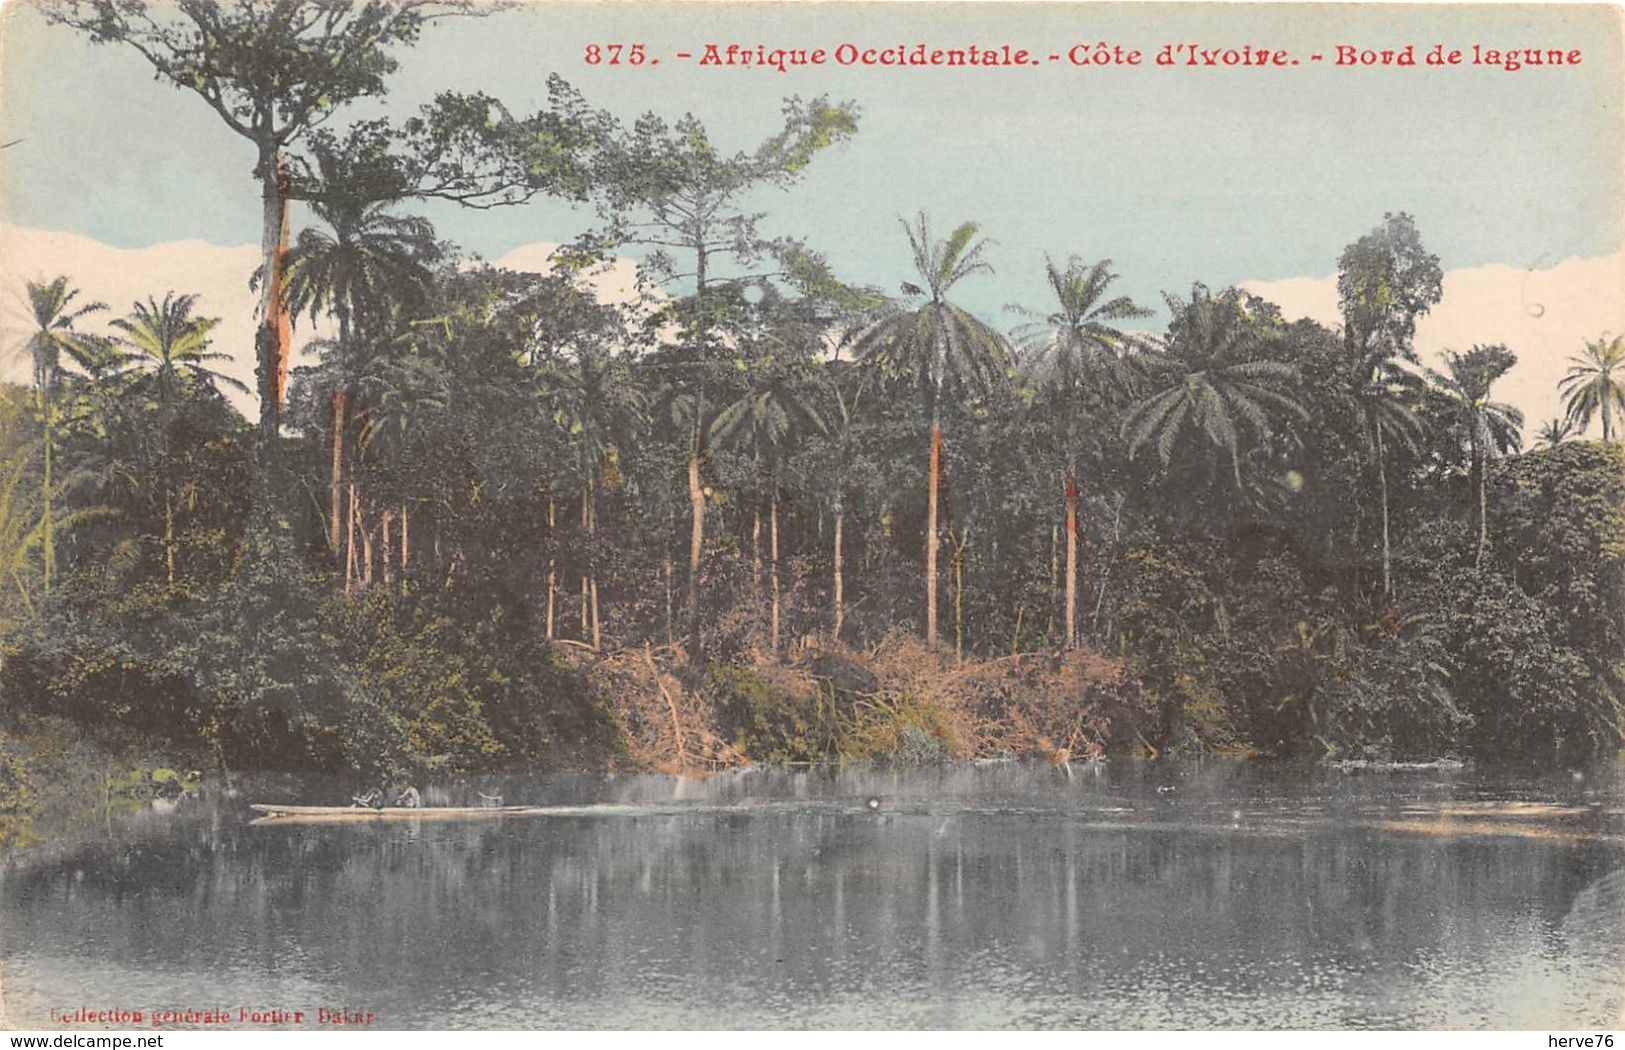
{"points": [[79, 785]]}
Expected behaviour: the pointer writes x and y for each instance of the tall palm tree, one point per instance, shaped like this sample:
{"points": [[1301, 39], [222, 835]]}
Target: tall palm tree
{"points": [[1595, 384], [172, 349], [939, 347], [777, 408], [55, 315], [1384, 399], [1205, 386], [1063, 350], [1490, 427], [372, 258], [172, 346]]}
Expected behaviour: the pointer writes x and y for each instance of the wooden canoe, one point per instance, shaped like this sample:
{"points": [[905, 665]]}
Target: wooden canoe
{"points": [[289, 814], [324, 813]]}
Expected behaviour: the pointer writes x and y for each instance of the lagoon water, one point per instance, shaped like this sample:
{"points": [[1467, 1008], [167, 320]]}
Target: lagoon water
{"points": [[1119, 895]]}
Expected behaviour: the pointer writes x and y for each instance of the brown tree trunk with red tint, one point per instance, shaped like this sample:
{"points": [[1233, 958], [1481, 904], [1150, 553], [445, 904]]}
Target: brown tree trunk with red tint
{"points": [[274, 340]]}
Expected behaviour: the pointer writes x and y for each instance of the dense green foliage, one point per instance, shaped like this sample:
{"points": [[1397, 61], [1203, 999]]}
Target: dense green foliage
{"points": [[510, 519]]}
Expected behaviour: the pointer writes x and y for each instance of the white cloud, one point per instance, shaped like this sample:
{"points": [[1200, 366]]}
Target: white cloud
{"points": [[614, 282], [1545, 316], [218, 275], [121, 276]]}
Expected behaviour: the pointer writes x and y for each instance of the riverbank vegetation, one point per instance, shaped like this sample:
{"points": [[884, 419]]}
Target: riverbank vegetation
{"points": [[748, 511], [58, 776]]}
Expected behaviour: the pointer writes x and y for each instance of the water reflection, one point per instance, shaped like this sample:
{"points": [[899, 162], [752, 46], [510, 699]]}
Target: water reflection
{"points": [[975, 896]]}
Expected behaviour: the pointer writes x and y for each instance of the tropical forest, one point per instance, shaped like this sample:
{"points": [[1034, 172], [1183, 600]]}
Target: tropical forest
{"points": [[740, 509]]}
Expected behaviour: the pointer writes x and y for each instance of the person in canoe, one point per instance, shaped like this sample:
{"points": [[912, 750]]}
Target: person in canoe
{"points": [[378, 797]]}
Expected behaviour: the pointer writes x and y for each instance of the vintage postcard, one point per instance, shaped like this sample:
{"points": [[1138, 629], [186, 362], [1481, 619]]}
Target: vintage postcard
{"points": [[811, 515]]}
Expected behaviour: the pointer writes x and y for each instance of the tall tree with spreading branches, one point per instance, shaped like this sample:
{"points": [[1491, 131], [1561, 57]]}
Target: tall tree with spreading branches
{"points": [[1386, 282], [276, 71], [668, 188]]}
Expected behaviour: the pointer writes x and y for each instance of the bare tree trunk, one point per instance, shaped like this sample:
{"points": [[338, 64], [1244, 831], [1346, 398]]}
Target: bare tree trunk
{"points": [[932, 540], [366, 552], [335, 478], [670, 636], [696, 493], [1382, 486], [592, 562], [169, 536], [349, 540], [387, 561], [756, 551], [276, 324], [1483, 509], [1071, 558], [840, 582], [552, 566], [47, 496], [586, 531], [597, 639], [696, 544], [773, 562]]}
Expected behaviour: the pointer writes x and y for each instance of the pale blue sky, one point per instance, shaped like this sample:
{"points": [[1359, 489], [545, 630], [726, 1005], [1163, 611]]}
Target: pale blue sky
{"points": [[1178, 175]]}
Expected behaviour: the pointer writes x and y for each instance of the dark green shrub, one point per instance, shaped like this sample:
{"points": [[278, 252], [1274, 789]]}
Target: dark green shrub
{"points": [[769, 722]]}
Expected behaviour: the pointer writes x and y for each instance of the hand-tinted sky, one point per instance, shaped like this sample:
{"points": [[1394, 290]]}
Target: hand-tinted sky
{"points": [[1177, 174]]}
